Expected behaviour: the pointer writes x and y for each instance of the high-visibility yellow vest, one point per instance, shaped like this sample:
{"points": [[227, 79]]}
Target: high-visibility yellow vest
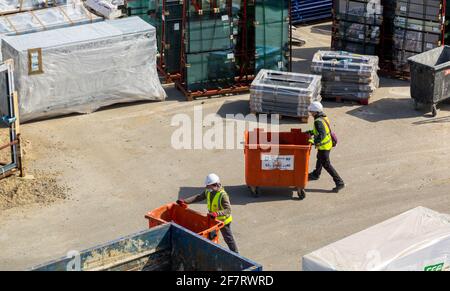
{"points": [[215, 205], [327, 143]]}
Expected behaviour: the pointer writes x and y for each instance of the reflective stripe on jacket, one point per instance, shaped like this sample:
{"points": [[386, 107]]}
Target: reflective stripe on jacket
{"points": [[325, 144], [214, 203]]}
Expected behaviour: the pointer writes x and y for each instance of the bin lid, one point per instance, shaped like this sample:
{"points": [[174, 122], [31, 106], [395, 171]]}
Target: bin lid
{"points": [[436, 59]]}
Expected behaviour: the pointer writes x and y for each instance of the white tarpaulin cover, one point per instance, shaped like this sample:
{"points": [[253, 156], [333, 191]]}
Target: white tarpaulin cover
{"points": [[83, 68], [415, 240]]}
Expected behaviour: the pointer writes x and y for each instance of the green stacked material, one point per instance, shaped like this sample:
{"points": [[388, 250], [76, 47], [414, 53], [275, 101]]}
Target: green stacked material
{"points": [[210, 62], [209, 70], [141, 8], [209, 32], [173, 24], [272, 27]]}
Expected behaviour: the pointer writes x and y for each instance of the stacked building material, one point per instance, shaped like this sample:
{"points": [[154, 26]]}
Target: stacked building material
{"points": [[208, 48], [418, 26], [346, 76], [304, 11], [217, 47], [356, 26], [16, 6], [46, 19], [110, 9], [283, 93], [82, 68]]}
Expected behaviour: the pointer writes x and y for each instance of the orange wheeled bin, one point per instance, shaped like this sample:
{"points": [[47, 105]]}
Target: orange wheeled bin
{"points": [[194, 221], [284, 164]]}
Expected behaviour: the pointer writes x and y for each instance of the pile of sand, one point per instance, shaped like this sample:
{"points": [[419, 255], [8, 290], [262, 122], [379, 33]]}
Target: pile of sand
{"points": [[41, 188]]}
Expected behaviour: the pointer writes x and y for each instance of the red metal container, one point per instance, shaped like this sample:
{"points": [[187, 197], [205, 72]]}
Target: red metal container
{"points": [[203, 225], [288, 167]]}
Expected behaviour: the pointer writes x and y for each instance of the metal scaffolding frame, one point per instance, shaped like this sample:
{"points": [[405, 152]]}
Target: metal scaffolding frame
{"points": [[11, 120]]}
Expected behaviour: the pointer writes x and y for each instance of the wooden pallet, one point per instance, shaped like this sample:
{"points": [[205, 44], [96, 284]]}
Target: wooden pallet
{"points": [[168, 78], [193, 95]]}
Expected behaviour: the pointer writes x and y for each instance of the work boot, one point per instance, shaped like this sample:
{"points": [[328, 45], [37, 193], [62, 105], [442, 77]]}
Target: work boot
{"points": [[338, 188], [313, 177]]}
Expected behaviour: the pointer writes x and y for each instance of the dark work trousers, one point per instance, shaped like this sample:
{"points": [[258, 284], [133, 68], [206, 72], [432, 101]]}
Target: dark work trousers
{"points": [[228, 238], [323, 161]]}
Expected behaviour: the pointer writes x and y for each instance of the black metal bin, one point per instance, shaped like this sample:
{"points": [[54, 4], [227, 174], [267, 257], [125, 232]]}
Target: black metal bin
{"points": [[430, 77]]}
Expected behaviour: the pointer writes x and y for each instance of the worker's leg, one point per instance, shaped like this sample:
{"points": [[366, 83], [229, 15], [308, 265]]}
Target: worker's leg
{"points": [[228, 238], [315, 175], [325, 160]]}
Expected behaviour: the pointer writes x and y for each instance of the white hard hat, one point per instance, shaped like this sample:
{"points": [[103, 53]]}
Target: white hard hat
{"points": [[315, 107], [212, 179]]}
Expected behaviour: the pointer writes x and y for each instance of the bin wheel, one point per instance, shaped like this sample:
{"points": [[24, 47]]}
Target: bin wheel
{"points": [[416, 105], [255, 191], [301, 193], [434, 110]]}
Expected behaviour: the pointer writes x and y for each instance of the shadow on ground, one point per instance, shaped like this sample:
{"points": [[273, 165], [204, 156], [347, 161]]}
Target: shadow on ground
{"points": [[306, 55], [241, 195], [390, 82], [230, 109], [388, 109], [324, 29]]}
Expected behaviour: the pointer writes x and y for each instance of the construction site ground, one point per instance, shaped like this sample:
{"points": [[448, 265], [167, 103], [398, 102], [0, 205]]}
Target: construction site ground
{"points": [[118, 163]]}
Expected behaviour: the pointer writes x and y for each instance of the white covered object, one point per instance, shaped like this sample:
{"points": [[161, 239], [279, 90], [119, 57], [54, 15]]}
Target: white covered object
{"points": [[85, 67], [107, 8], [415, 240]]}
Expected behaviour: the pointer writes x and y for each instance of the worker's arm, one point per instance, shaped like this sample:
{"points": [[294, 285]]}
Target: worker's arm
{"points": [[226, 206], [321, 130], [196, 198]]}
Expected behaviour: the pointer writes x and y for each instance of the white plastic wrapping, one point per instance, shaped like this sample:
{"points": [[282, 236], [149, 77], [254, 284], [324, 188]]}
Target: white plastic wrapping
{"points": [[85, 67], [107, 8], [284, 93], [46, 19], [416, 240], [14, 6]]}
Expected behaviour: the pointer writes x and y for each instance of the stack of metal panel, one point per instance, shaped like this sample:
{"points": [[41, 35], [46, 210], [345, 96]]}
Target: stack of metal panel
{"points": [[346, 76], [287, 94], [46, 19], [418, 27], [16, 6], [304, 11], [356, 25]]}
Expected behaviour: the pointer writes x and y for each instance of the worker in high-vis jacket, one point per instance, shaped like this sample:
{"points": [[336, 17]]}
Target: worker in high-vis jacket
{"points": [[219, 207], [321, 137]]}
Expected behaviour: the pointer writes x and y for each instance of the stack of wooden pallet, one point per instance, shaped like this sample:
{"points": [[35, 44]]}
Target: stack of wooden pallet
{"points": [[346, 76]]}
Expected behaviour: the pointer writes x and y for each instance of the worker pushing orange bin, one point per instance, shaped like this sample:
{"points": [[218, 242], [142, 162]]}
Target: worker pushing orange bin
{"points": [[284, 164], [192, 220]]}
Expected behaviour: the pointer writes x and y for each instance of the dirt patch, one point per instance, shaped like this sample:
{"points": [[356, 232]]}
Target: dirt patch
{"points": [[41, 188]]}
